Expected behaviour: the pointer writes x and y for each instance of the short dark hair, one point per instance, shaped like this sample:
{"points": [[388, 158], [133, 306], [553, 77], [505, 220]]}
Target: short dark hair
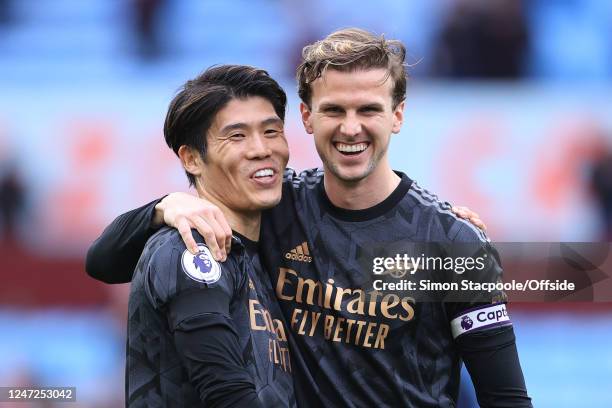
{"points": [[193, 109], [349, 50]]}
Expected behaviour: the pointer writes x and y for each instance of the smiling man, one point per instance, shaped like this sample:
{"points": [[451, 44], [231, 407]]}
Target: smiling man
{"points": [[352, 118], [202, 333], [354, 346]]}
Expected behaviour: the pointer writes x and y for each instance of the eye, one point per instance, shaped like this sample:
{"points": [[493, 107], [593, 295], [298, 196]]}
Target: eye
{"points": [[272, 132], [370, 110], [237, 136], [332, 110]]}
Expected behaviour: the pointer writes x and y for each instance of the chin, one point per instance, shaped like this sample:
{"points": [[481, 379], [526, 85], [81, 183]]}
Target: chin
{"points": [[351, 174], [263, 203]]}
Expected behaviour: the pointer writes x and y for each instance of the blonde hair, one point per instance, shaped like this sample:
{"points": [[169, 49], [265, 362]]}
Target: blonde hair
{"points": [[349, 50]]}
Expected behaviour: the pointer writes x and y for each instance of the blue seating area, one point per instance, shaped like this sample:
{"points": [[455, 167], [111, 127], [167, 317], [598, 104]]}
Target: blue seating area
{"points": [[71, 40], [68, 40]]}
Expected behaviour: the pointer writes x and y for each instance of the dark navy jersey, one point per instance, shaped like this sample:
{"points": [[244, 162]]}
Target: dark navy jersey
{"points": [[355, 346], [350, 345], [203, 333]]}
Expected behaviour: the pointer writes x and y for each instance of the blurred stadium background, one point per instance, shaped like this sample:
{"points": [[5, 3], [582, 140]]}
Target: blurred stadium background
{"points": [[509, 112]]}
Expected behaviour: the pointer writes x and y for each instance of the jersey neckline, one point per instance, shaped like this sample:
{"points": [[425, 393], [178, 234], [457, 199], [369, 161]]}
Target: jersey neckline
{"points": [[367, 213], [249, 245]]}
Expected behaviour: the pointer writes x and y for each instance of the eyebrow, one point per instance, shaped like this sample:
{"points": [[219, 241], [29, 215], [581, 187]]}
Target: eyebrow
{"points": [[372, 105], [328, 105], [272, 121], [241, 125]]}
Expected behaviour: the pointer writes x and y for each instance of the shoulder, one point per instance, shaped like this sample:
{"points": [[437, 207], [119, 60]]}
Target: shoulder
{"points": [[439, 212], [171, 269], [306, 178], [161, 248]]}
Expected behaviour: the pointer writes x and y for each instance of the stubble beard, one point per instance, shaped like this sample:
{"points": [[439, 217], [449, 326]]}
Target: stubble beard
{"points": [[335, 170]]}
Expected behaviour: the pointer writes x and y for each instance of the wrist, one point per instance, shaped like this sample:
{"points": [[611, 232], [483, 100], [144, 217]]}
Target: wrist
{"points": [[157, 221]]}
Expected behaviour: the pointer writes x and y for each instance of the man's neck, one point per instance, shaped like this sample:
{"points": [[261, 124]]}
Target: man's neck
{"points": [[362, 194], [245, 223]]}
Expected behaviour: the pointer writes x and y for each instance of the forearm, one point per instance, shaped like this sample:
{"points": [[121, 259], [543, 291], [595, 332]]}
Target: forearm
{"points": [[492, 360], [214, 363], [114, 255]]}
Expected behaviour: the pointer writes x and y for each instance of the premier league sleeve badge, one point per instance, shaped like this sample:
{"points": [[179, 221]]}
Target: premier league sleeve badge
{"points": [[201, 267]]}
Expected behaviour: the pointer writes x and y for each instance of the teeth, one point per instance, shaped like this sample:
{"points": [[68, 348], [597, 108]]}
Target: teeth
{"points": [[359, 147], [264, 173]]}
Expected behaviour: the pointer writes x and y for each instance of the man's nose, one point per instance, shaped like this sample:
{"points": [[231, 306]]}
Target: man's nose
{"points": [[258, 147], [350, 125]]}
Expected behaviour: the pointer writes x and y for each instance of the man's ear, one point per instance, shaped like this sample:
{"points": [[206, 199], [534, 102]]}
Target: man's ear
{"points": [[306, 116], [398, 117], [191, 160]]}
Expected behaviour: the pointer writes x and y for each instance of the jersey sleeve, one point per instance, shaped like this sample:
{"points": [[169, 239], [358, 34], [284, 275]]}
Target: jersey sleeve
{"points": [[491, 358], [215, 366], [112, 257], [195, 293], [481, 326], [185, 286], [478, 304]]}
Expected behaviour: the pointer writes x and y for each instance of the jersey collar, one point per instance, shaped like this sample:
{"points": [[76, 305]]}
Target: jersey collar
{"points": [[368, 213], [242, 241]]}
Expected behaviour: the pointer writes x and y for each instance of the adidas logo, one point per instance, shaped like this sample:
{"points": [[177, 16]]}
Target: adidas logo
{"points": [[299, 253]]}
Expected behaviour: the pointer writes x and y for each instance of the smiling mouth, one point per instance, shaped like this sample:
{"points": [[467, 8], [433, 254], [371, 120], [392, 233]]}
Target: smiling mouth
{"points": [[264, 174], [351, 149]]}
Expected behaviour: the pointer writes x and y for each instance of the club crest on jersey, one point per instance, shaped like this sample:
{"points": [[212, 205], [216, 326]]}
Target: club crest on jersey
{"points": [[201, 267]]}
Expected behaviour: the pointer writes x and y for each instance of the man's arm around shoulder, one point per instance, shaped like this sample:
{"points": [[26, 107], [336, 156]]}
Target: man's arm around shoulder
{"points": [[112, 257]]}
